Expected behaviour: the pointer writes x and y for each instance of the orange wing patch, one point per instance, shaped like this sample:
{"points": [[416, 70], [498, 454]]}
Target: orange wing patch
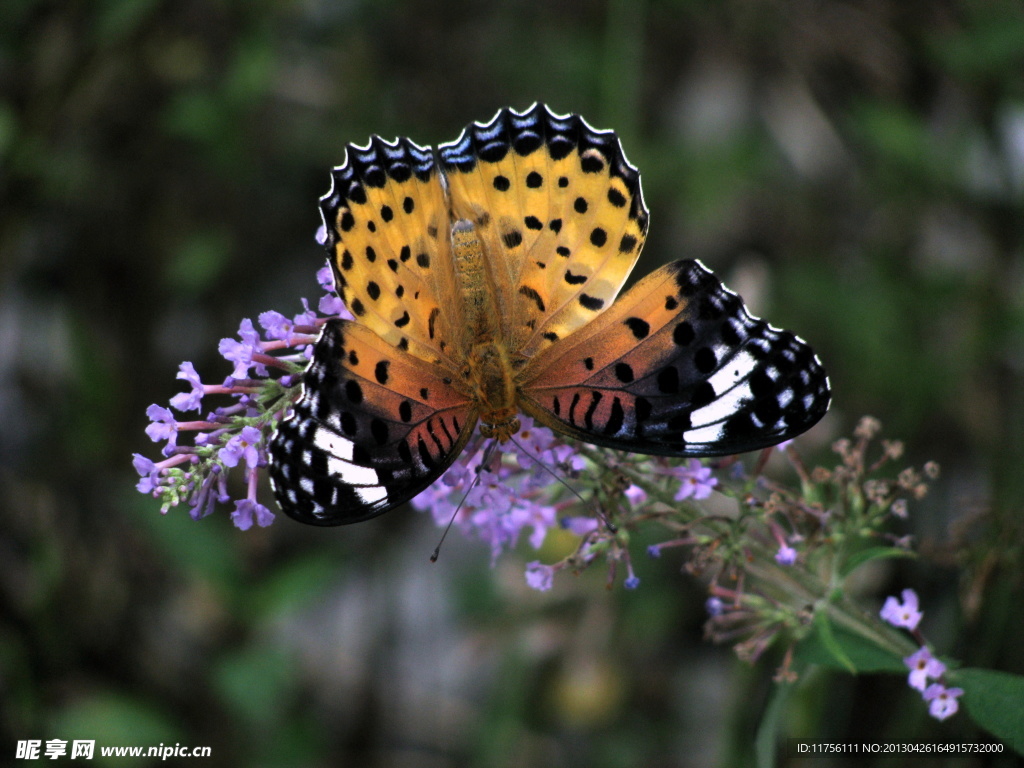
{"points": [[678, 367]]}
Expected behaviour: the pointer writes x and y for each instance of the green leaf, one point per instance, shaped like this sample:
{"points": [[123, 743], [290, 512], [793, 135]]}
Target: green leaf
{"points": [[254, 684], [830, 643], [995, 701], [294, 584], [838, 648], [114, 719], [204, 548], [114, 21], [873, 553], [199, 261], [771, 726]]}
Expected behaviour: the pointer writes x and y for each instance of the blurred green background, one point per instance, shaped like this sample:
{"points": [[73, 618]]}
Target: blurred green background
{"points": [[854, 169]]}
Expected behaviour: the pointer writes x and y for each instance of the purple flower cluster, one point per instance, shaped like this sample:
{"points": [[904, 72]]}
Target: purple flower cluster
{"points": [[696, 483], [495, 493], [496, 501], [923, 666], [232, 436]]}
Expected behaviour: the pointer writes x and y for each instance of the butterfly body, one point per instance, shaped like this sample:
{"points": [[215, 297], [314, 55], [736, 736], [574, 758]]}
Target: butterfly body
{"points": [[483, 280], [489, 375]]}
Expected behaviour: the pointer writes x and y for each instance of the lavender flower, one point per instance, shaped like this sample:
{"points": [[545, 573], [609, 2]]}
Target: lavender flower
{"points": [[905, 614], [922, 666], [233, 434], [635, 495], [241, 352], [189, 401], [697, 481], [248, 511], [942, 700], [148, 471], [247, 445], [539, 576], [276, 325], [502, 499], [786, 555], [163, 426], [330, 303], [533, 444]]}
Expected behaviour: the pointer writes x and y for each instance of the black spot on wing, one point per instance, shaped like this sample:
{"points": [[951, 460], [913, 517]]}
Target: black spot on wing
{"points": [[532, 295], [638, 326], [616, 418], [573, 279]]}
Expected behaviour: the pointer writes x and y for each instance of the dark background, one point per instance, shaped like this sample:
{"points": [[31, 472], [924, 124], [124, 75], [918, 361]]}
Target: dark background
{"points": [[854, 169]]}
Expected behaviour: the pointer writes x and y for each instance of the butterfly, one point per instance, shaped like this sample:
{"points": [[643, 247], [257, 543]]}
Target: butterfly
{"points": [[483, 278]]}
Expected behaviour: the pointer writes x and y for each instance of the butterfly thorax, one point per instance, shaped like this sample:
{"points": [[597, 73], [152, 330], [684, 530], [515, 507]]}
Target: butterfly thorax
{"points": [[488, 373]]}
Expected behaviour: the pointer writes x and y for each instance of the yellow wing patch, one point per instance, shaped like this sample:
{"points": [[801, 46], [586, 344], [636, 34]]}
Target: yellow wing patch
{"points": [[392, 246], [560, 212]]}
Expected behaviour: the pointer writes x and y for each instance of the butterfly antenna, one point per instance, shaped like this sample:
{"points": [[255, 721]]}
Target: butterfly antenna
{"points": [[488, 450], [600, 512]]}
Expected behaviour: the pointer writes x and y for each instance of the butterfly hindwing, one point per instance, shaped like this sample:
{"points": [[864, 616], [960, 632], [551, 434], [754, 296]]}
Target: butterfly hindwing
{"points": [[373, 428], [678, 367]]}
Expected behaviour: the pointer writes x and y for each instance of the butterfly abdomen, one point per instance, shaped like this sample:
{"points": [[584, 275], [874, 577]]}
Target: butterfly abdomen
{"points": [[494, 390]]}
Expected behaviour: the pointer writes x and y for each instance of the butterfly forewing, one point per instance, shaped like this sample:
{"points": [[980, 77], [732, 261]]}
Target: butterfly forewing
{"points": [[678, 367], [560, 211], [388, 236], [373, 428]]}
